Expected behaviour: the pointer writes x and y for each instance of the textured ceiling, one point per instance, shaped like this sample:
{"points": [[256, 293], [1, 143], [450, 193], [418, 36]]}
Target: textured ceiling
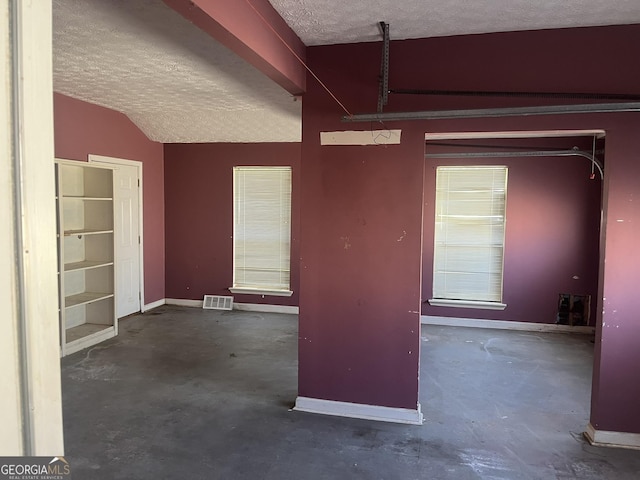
{"points": [[177, 84], [322, 22], [172, 80]]}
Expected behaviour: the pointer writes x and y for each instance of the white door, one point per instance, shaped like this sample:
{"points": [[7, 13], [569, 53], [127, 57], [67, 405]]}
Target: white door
{"points": [[127, 235]]}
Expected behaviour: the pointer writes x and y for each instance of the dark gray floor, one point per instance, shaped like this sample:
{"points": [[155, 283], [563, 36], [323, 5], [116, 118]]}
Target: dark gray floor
{"points": [[184, 393]]}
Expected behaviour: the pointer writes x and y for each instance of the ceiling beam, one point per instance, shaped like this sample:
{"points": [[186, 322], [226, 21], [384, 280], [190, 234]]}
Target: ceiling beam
{"points": [[254, 31]]}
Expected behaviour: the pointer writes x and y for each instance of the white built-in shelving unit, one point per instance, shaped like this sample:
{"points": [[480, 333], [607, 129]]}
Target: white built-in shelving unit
{"points": [[84, 198]]}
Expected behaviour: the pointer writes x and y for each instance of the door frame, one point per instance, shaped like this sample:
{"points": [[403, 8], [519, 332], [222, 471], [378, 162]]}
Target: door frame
{"points": [[137, 164]]}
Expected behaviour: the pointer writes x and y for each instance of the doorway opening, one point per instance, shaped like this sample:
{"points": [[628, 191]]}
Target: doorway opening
{"points": [[551, 239]]}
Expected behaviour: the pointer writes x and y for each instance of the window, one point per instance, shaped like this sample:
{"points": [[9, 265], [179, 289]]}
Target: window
{"points": [[261, 230], [469, 236]]}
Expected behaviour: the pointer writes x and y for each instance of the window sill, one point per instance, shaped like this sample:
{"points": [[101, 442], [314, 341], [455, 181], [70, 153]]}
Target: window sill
{"points": [[259, 291], [443, 302]]}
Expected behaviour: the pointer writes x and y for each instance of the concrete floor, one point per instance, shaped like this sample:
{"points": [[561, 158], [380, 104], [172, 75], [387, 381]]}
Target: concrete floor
{"points": [[184, 393]]}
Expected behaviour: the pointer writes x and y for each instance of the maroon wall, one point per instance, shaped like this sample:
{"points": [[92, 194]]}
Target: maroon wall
{"points": [[347, 352], [361, 239], [551, 239], [360, 273], [616, 390], [81, 129], [199, 216]]}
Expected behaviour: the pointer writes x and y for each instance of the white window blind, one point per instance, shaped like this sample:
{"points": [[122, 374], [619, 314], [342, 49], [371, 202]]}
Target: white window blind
{"points": [[469, 233], [262, 228]]}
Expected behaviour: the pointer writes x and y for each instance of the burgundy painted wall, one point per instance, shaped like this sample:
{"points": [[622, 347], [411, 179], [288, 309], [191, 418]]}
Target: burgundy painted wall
{"points": [[551, 240], [81, 129], [360, 273], [199, 216], [616, 390], [359, 324], [345, 352]]}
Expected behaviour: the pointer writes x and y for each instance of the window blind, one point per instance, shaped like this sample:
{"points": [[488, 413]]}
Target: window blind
{"points": [[469, 233], [262, 228]]}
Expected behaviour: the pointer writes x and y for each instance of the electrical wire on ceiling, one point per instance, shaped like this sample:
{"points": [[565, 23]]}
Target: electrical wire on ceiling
{"points": [[302, 62]]}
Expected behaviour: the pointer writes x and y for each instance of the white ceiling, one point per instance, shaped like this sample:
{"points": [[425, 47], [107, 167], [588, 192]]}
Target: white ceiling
{"points": [[177, 84], [323, 22]]}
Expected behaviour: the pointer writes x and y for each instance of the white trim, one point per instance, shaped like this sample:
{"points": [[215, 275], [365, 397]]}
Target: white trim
{"points": [[359, 410], [11, 405], [257, 291], [152, 305], [183, 302], [91, 158], [444, 302], [514, 134], [257, 307], [75, 163], [603, 438], [31, 400], [361, 137], [504, 325], [138, 164]]}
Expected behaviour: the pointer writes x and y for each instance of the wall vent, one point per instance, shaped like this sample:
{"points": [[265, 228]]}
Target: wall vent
{"points": [[217, 302]]}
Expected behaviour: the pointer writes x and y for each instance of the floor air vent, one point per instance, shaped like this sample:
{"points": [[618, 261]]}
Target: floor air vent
{"points": [[217, 302]]}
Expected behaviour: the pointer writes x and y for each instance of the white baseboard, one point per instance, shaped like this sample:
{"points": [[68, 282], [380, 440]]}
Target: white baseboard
{"points": [[152, 305], [358, 410], [603, 438], [256, 307], [504, 325], [248, 307]]}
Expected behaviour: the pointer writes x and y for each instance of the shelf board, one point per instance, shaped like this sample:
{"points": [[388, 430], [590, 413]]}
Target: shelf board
{"points": [[85, 330], [84, 298], [70, 233], [81, 197], [85, 265]]}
